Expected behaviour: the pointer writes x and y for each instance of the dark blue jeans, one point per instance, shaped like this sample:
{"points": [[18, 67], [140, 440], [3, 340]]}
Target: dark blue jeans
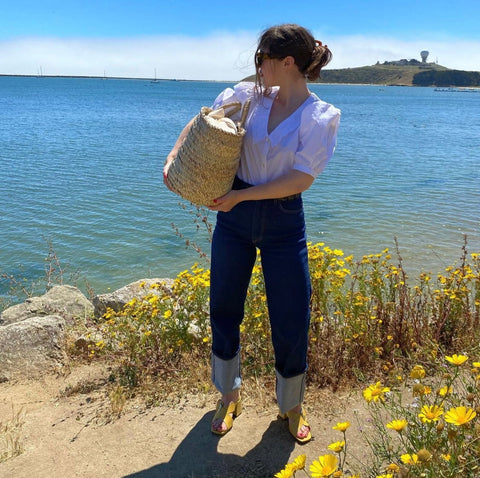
{"points": [[277, 228]]}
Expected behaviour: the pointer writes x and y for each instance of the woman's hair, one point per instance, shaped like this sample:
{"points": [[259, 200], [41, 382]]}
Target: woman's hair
{"points": [[293, 40]]}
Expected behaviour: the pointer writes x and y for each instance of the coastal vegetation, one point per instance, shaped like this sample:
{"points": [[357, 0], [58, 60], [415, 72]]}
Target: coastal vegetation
{"points": [[446, 78], [380, 74], [434, 435], [401, 73], [412, 346], [409, 344]]}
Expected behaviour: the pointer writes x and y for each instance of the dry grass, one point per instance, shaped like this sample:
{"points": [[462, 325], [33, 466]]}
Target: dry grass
{"points": [[11, 439]]}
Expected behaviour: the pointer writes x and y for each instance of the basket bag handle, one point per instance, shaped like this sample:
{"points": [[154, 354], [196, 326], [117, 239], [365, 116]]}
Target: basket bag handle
{"points": [[245, 109], [231, 108]]}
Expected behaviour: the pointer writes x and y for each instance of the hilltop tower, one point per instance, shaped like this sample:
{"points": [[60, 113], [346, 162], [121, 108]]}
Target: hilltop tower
{"points": [[424, 55]]}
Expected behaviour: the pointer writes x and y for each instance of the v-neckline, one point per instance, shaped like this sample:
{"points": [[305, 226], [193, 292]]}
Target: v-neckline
{"points": [[299, 108]]}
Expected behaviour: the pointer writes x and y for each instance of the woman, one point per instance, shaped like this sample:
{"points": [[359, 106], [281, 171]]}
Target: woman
{"points": [[291, 135]]}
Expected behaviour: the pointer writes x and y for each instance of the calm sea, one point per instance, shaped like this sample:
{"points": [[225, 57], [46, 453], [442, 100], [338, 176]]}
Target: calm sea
{"points": [[81, 170]]}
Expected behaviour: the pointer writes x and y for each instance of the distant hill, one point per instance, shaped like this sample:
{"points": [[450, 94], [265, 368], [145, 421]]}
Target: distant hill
{"points": [[402, 73]]}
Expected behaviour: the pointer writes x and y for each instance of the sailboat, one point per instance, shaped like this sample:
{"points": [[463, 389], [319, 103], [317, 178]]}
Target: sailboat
{"points": [[155, 78]]}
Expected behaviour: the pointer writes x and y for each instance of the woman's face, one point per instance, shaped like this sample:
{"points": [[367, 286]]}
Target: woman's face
{"points": [[268, 71]]}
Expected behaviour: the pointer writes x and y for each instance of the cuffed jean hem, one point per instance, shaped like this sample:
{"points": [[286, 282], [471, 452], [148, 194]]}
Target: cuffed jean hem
{"points": [[290, 391], [226, 374]]}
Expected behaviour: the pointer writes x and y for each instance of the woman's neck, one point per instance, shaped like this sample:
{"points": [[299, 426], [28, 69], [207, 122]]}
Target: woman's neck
{"points": [[292, 94], [286, 102]]}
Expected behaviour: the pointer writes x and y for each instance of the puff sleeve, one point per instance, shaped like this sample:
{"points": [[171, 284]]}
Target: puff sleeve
{"points": [[317, 138]]}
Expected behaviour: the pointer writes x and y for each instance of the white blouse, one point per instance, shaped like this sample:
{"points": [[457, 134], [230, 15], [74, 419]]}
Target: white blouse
{"points": [[305, 141]]}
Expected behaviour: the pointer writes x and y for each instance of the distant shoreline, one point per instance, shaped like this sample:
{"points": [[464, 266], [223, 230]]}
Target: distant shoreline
{"points": [[93, 77], [397, 73], [327, 81], [162, 80]]}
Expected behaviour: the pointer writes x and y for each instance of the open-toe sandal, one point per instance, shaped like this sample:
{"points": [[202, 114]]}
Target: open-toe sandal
{"points": [[227, 414], [295, 423]]}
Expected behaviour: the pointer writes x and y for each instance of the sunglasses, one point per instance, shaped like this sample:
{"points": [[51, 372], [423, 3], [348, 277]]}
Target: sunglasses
{"points": [[261, 56]]}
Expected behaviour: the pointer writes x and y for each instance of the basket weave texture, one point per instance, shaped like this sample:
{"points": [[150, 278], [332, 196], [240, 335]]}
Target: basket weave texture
{"points": [[207, 161]]}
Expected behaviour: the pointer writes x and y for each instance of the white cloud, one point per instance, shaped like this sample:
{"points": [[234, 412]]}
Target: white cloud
{"points": [[219, 56]]}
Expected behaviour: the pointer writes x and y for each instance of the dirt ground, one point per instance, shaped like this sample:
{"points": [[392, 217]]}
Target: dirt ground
{"points": [[73, 435]]}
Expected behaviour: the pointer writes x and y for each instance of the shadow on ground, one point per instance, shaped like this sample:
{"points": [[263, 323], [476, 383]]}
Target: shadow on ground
{"points": [[197, 456]]}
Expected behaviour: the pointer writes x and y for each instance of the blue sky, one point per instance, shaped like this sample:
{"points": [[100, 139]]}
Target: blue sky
{"points": [[215, 40]]}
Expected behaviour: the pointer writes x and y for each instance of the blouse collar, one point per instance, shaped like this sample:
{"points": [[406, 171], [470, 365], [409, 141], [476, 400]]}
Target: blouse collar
{"points": [[288, 125]]}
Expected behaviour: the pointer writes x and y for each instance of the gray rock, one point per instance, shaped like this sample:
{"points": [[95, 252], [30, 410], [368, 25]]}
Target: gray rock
{"points": [[64, 300], [117, 299], [31, 347]]}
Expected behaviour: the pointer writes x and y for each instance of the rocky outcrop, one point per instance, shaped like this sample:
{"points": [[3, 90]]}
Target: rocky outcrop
{"points": [[31, 347], [117, 299], [63, 300], [32, 334]]}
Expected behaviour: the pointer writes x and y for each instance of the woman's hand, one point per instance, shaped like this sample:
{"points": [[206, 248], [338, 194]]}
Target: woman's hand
{"points": [[173, 153], [165, 171], [226, 202]]}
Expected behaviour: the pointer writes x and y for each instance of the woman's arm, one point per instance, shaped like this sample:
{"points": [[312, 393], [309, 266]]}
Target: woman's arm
{"points": [[290, 183], [173, 153]]}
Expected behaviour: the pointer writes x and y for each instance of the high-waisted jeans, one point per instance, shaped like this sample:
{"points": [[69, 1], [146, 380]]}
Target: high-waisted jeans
{"points": [[277, 228]]}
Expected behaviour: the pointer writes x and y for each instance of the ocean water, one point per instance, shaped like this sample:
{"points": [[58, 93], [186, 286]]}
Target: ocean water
{"points": [[81, 171]]}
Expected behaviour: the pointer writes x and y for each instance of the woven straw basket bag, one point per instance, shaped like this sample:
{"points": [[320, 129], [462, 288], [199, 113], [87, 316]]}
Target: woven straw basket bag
{"points": [[207, 161]]}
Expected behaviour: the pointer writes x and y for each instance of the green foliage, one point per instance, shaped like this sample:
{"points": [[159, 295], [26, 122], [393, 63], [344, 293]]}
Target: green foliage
{"points": [[446, 78], [385, 74], [149, 336], [427, 425], [367, 321], [424, 426]]}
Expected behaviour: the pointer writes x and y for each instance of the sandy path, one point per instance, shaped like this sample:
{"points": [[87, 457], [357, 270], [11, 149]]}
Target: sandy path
{"points": [[71, 436]]}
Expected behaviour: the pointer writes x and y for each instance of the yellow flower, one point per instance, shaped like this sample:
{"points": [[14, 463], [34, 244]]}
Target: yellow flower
{"points": [[337, 446], [341, 426], [167, 314], [430, 413], [409, 459], [100, 344], [445, 390], [375, 392], [387, 475], [460, 415], [417, 372], [287, 472], [446, 456], [393, 467], [419, 389], [326, 465], [397, 425], [299, 462], [476, 364], [456, 359]]}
